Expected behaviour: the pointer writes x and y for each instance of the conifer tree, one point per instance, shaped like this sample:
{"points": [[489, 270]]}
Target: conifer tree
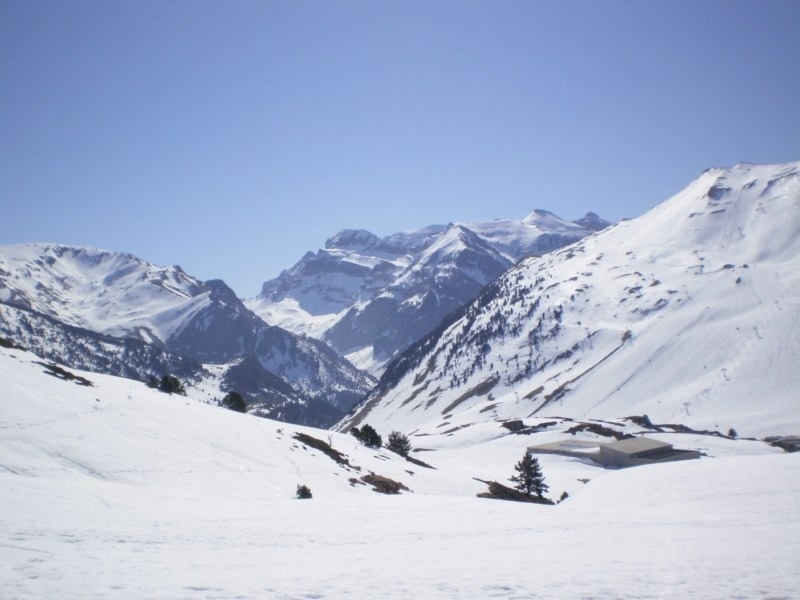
{"points": [[529, 479], [172, 385], [234, 401], [368, 436], [398, 442]]}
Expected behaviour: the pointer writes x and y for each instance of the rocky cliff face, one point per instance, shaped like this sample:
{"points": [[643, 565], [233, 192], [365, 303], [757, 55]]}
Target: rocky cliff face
{"points": [[121, 296], [370, 297]]}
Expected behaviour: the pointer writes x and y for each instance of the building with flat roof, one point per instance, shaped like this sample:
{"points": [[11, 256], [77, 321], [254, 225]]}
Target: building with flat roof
{"points": [[628, 452]]}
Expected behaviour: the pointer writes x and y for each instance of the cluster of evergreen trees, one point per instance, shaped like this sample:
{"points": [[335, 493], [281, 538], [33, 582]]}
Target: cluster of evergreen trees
{"points": [[368, 436], [397, 442], [169, 384]]}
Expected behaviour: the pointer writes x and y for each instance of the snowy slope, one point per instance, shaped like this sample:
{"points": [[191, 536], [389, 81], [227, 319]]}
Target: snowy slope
{"points": [[117, 491], [689, 314], [123, 296], [88, 350], [370, 297], [108, 292]]}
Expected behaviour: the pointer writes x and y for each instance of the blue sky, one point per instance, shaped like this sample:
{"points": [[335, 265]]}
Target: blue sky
{"points": [[232, 137]]}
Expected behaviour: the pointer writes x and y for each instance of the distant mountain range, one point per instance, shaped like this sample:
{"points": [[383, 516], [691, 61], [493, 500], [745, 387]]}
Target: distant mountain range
{"points": [[676, 333], [106, 307], [115, 313], [688, 314], [369, 297]]}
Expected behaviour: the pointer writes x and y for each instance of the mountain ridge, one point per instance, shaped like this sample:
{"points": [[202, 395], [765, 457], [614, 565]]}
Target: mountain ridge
{"points": [[120, 295], [370, 297], [670, 313]]}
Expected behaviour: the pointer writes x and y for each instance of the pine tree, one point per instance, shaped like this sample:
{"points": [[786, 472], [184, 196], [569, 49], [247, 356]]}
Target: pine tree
{"points": [[368, 436], [398, 442], [530, 479], [234, 401], [172, 385]]}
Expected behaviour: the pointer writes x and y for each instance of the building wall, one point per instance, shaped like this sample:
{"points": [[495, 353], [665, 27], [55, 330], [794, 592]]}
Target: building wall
{"points": [[614, 455]]}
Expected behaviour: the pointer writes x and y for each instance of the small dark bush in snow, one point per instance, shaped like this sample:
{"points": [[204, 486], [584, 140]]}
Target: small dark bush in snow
{"points": [[368, 436], [171, 385], [234, 401], [398, 442], [303, 492]]}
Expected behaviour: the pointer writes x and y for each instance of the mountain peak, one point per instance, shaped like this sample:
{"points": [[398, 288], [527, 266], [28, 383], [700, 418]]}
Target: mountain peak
{"points": [[547, 221], [352, 239], [369, 297], [592, 222], [456, 238], [120, 296], [681, 313]]}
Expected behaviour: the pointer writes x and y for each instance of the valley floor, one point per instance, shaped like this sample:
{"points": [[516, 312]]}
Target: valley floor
{"points": [[717, 528], [117, 491]]}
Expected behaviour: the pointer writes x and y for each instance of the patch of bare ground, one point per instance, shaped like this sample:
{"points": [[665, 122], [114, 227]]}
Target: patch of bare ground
{"points": [[383, 485], [498, 491], [323, 447], [483, 388]]}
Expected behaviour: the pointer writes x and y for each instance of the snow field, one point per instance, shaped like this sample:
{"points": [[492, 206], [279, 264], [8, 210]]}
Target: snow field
{"points": [[119, 491]]}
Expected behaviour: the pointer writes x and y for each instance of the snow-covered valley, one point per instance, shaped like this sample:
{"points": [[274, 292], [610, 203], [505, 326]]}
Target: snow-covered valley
{"points": [[679, 327], [115, 490]]}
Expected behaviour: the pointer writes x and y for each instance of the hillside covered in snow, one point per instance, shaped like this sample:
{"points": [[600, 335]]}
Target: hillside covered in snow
{"points": [[110, 489], [679, 327], [689, 314], [115, 313], [371, 297]]}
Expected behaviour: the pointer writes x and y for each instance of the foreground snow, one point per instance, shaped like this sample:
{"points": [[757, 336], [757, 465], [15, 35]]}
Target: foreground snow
{"points": [[688, 531], [118, 491]]}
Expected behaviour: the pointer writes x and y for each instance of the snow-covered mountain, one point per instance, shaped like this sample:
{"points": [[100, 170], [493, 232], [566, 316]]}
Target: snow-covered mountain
{"points": [[84, 349], [113, 490], [267, 394], [371, 297], [120, 295], [689, 314]]}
